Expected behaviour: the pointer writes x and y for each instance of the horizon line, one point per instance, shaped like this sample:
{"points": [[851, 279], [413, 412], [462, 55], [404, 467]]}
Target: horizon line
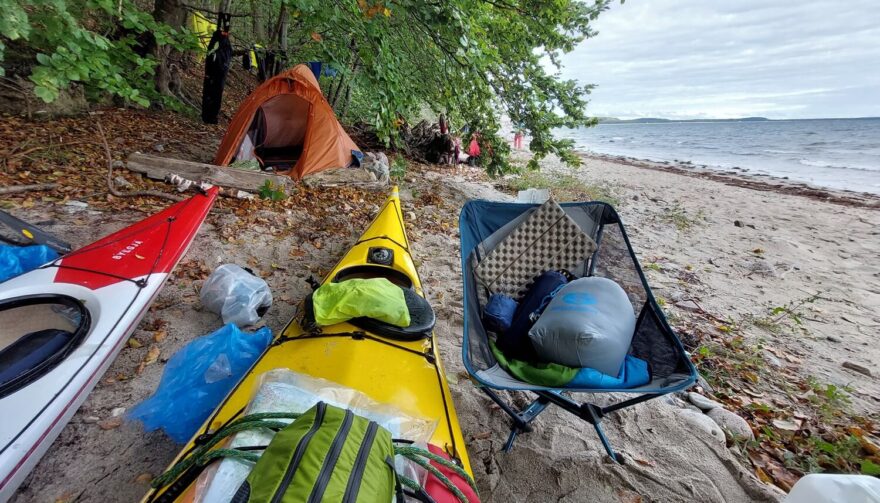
{"points": [[600, 117]]}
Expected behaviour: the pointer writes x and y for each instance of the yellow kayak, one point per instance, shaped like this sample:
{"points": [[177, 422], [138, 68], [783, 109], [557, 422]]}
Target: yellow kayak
{"points": [[400, 367]]}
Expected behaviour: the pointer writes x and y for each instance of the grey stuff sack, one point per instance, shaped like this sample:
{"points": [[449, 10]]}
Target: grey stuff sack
{"points": [[589, 323]]}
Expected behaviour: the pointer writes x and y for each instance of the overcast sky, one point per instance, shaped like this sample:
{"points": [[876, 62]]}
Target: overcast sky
{"points": [[721, 59]]}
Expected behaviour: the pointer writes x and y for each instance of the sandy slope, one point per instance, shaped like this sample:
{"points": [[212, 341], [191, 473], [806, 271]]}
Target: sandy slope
{"points": [[811, 246]]}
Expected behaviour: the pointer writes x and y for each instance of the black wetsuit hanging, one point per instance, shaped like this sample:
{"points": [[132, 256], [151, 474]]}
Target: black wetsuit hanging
{"points": [[216, 67]]}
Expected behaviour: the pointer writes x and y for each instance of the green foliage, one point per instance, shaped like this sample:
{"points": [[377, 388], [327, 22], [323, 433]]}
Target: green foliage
{"points": [[473, 60], [90, 42], [564, 186], [790, 315], [679, 217], [831, 400], [270, 191], [398, 169]]}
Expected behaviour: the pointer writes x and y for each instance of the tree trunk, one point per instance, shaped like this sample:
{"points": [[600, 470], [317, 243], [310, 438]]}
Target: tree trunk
{"points": [[345, 101], [257, 22], [283, 19], [172, 13]]}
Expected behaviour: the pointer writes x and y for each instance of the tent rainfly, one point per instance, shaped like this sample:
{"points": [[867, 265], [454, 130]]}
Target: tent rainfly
{"points": [[287, 124]]}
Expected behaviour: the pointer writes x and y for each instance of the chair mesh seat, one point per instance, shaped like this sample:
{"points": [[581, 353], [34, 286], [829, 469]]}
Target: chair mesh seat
{"points": [[493, 232]]}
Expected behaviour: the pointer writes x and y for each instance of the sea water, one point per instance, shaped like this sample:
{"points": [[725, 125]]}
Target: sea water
{"points": [[833, 153]]}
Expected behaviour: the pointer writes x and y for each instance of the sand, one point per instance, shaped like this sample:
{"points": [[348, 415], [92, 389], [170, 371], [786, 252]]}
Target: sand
{"points": [[809, 247]]}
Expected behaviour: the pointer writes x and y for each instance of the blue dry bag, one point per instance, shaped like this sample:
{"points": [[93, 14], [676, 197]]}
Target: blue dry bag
{"points": [[498, 313], [515, 342]]}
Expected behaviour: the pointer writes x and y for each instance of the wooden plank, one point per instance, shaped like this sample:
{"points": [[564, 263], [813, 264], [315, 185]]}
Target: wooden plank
{"points": [[158, 168]]}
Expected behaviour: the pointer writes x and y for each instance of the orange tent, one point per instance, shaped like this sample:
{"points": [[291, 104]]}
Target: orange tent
{"points": [[286, 123]]}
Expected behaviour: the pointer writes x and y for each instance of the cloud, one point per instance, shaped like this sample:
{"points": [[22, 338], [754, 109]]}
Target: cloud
{"points": [[693, 58]]}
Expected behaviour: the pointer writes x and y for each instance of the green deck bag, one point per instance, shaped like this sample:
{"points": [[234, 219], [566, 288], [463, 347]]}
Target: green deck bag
{"points": [[375, 298], [327, 454]]}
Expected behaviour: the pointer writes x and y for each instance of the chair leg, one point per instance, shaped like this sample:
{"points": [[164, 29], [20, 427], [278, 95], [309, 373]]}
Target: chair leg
{"points": [[595, 417], [627, 403], [520, 419], [587, 411]]}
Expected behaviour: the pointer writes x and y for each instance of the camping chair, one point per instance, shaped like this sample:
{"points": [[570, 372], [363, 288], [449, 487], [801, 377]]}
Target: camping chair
{"points": [[483, 225]]}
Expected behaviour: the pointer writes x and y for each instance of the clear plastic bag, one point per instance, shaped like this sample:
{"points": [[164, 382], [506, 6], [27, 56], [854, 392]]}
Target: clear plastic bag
{"points": [[197, 378], [282, 390], [236, 295]]}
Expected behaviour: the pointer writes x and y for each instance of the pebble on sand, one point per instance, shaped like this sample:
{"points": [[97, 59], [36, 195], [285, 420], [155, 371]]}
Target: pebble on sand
{"points": [[732, 424], [703, 423], [855, 367], [705, 404]]}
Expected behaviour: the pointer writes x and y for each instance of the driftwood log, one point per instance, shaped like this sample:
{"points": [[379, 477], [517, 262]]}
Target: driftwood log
{"points": [[14, 189], [158, 168]]}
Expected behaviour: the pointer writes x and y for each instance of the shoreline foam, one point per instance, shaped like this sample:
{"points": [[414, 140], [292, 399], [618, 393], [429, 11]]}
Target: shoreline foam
{"points": [[742, 177]]}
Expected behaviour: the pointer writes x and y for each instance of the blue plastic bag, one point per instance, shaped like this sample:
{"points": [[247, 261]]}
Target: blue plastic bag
{"points": [[15, 260], [197, 378]]}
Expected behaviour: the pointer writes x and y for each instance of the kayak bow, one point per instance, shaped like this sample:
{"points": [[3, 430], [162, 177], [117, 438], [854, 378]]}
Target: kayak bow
{"points": [[62, 325], [390, 366]]}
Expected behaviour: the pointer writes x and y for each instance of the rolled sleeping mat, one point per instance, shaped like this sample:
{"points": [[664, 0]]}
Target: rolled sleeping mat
{"points": [[589, 323]]}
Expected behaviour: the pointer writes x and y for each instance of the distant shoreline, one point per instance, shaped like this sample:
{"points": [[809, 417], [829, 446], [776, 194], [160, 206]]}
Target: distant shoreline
{"points": [[655, 120]]}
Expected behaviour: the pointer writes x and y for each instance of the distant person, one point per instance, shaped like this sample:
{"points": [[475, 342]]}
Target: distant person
{"points": [[474, 149], [517, 139]]}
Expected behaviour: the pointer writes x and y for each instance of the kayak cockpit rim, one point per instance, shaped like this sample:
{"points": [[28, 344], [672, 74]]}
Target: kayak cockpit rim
{"points": [[45, 329]]}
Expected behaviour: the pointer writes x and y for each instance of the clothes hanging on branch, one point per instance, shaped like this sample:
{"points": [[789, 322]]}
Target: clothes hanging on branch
{"points": [[315, 67], [270, 63], [216, 67]]}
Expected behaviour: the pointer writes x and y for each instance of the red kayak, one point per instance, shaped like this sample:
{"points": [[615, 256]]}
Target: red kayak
{"points": [[63, 324]]}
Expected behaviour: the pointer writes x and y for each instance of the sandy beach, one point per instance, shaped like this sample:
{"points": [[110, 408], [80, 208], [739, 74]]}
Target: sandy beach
{"points": [[713, 249]]}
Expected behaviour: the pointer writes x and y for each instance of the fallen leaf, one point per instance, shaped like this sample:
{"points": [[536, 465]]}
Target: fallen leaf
{"points": [[784, 424], [871, 444], [65, 497], [792, 359], [627, 496], [134, 343], [110, 423], [144, 478], [152, 355], [762, 475], [159, 336]]}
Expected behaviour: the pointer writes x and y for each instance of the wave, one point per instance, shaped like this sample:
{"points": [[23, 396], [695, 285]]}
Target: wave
{"points": [[830, 165]]}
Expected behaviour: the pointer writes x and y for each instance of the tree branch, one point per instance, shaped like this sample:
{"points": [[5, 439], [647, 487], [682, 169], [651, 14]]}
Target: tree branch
{"points": [[112, 188]]}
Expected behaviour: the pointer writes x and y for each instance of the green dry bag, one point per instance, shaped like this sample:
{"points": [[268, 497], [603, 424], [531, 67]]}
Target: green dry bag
{"points": [[327, 454], [375, 298]]}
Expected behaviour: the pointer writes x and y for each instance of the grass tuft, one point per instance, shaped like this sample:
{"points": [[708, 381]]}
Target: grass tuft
{"points": [[564, 187]]}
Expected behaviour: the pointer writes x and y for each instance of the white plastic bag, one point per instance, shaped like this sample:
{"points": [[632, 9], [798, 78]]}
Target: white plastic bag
{"points": [[236, 295], [282, 390]]}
